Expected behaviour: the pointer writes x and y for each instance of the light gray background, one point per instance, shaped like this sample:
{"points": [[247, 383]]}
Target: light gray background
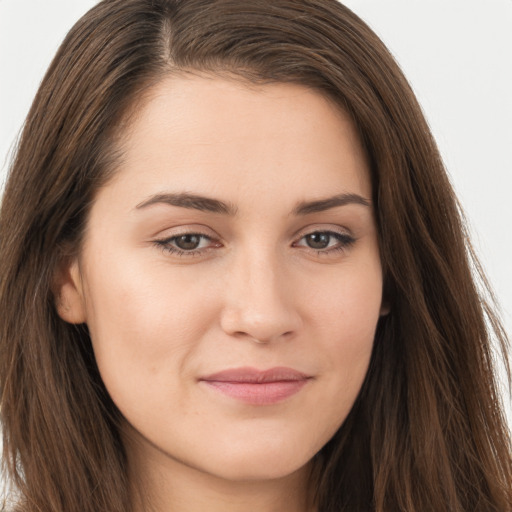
{"points": [[456, 53]]}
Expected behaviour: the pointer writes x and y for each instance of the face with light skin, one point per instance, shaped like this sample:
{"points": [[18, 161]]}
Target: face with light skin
{"points": [[238, 232]]}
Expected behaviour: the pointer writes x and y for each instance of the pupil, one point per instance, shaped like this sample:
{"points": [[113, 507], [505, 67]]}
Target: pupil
{"points": [[318, 240], [188, 242]]}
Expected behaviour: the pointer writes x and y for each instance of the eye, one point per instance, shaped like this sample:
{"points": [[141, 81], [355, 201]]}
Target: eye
{"points": [[187, 244], [325, 242], [318, 240]]}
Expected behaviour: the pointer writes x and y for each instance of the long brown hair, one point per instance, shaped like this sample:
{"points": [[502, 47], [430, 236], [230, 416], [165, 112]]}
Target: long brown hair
{"points": [[427, 430]]}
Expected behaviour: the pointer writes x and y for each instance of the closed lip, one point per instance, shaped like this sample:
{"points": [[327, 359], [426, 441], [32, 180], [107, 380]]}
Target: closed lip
{"points": [[251, 375], [257, 387]]}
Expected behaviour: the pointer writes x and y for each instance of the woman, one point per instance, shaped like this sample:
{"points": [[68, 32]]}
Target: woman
{"points": [[244, 277]]}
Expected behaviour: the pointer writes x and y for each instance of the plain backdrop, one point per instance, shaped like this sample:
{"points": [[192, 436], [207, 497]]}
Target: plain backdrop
{"points": [[457, 55]]}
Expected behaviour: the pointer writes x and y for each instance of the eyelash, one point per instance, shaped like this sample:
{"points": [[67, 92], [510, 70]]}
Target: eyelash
{"points": [[164, 245], [345, 242]]}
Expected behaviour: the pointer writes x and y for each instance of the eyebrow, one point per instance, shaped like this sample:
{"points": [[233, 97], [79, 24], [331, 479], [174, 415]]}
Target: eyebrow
{"points": [[208, 204], [307, 207], [191, 201]]}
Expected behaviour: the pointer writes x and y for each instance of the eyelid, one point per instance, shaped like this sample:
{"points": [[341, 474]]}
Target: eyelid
{"points": [[343, 237], [165, 239], [165, 244], [323, 228], [188, 229]]}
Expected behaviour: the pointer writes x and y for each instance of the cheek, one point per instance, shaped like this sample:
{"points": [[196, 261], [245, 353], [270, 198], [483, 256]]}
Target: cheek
{"points": [[348, 301], [144, 322], [345, 318]]}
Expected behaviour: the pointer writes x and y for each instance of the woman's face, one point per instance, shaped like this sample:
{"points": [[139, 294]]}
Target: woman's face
{"points": [[230, 276]]}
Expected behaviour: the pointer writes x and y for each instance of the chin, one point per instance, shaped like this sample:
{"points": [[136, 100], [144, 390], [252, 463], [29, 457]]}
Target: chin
{"points": [[260, 463]]}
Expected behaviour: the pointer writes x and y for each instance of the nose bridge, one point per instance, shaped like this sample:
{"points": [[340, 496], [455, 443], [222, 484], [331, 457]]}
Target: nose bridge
{"points": [[259, 304]]}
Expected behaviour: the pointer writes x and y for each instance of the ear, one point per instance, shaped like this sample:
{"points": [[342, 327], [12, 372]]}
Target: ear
{"points": [[68, 292]]}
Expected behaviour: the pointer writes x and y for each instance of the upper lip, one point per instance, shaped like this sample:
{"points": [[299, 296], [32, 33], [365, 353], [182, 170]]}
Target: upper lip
{"points": [[253, 375]]}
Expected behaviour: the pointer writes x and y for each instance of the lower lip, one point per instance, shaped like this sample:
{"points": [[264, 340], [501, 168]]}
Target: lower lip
{"points": [[264, 393]]}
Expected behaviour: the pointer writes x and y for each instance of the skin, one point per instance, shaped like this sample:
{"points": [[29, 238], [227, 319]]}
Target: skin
{"points": [[254, 293]]}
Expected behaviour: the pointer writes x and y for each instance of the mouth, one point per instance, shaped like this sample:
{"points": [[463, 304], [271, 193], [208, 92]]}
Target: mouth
{"points": [[257, 387]]}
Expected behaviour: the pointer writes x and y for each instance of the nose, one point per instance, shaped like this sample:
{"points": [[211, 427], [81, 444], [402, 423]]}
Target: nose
{"points": [[259, 301]]}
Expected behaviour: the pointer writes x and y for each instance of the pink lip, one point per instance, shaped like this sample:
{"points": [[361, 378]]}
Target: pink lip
{"points": [[257, 387]]}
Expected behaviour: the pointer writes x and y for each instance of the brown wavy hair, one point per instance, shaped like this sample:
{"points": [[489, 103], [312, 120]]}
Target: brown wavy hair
{"points": [[427, 431]]}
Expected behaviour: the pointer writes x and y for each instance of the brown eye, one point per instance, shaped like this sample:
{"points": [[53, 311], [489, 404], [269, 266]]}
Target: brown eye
{"points": [[187, 242], [318, 240], [326, 242]]}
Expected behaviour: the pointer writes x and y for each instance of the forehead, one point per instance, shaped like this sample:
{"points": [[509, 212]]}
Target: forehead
{"points": [[224, 136]]}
